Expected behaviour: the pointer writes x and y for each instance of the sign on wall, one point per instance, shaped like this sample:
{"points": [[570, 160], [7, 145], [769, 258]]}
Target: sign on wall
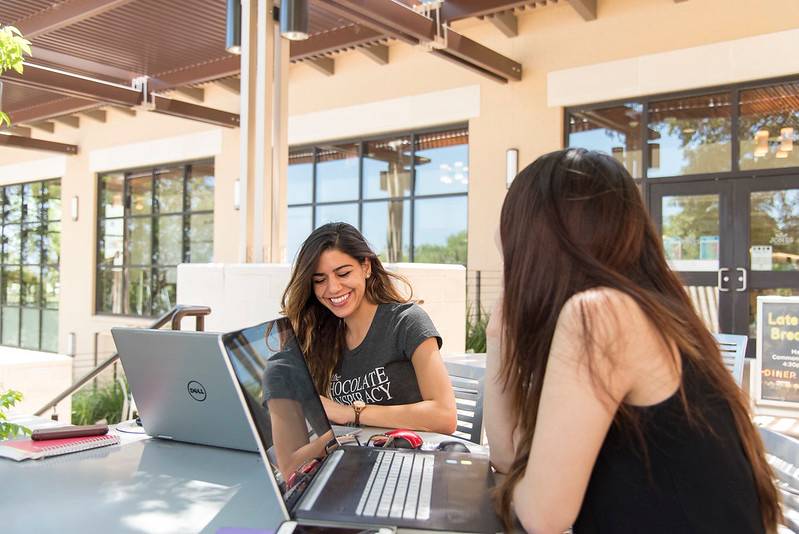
{"points": [[777, 380]]}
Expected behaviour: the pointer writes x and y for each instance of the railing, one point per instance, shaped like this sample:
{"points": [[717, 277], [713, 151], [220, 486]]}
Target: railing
{"points": [[173, 316], [483, 288]]}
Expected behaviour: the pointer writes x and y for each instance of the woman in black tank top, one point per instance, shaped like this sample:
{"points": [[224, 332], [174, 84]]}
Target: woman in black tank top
{"points": [[607, 405]]}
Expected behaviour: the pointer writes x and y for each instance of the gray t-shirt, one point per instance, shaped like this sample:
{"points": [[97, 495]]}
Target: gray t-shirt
{"points": [[379, 370]]}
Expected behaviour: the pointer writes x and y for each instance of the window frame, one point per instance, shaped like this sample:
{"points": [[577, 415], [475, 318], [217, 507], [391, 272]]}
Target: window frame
{"points": [[360, 201], [154, 216], [44, 223]]}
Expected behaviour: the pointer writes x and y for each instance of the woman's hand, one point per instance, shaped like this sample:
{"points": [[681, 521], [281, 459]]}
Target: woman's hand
{"points": [[340, 414]]}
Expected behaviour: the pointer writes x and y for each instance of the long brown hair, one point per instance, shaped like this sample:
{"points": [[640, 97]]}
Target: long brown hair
{"points": [[319, 332], [584, 210]]}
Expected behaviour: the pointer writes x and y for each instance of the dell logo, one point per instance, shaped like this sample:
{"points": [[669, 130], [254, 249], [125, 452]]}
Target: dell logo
{"points": [[196, 390]]}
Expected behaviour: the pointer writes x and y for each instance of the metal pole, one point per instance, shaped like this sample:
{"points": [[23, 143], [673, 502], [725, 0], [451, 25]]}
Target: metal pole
{"points": [[477, 283]]}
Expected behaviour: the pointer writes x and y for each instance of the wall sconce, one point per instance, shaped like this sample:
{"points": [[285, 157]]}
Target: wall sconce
{"points": [[511, 165], [73, 208], [237, 194], [233, 27], [294, 19], [71, 348], [761, 139]]}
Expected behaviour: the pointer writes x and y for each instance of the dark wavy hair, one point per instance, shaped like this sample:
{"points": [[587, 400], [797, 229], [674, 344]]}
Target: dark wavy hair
{"points": [[574, 220], [319, 332]]}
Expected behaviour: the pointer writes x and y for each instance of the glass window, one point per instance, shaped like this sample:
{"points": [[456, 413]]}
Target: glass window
{"points": [[387, 228], [690, 135], [168, 220], [774, 230], [441, 162], [616, 131], [768, 127], [300, 176], [300, 224], [440, 239], [327, 213], [375, 178], [29, 281], [691, 232], [337, 173], [387, 168]]}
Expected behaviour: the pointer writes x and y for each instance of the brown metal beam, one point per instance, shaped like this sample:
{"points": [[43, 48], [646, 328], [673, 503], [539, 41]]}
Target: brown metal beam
{"points": [[185, 110], [230, 84], [325, 65], [130, 112], [68, 120], [586, 8], [17, 141], [453, 10], [63, 14], [506, 23], [21, 131], [98, 115], [48, 110], [68, 62], [377, 53], [403, 23], [45, 126], [333, 41], [205, 72], [69, 84], [195, 93]]}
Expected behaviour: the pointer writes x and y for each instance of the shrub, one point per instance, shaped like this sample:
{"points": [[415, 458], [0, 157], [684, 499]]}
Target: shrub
{"points": [[10, 430], [476, 330], [102, 404]]}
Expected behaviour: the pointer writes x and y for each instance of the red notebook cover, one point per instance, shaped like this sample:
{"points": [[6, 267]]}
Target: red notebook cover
{"points": [[24, 449]]}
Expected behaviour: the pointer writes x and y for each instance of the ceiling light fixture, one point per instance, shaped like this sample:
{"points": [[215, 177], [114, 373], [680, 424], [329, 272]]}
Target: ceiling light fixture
{"points": [[786, 139], [294, 19], [233, 27], [761, 139]]}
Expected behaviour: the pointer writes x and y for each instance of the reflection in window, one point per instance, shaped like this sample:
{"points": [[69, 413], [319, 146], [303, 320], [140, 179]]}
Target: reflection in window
{"points": [[440, 239], [690, 135], [150, 221], [615, 131], [768, 127], [774, 230], [441, 161], [31, 230], [337, 173], [377, 186], [691, 232]]}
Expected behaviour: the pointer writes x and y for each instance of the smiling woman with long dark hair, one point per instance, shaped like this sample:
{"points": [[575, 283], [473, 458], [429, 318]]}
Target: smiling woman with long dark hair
{"points": [[607, 403], [373, 355]]}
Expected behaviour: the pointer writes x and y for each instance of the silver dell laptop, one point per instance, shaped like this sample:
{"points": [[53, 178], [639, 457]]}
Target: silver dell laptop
{"points": [[315, 479], [182, 387]]}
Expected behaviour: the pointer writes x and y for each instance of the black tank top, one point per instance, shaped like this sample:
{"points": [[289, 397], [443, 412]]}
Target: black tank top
{"points": [[695, 482]]}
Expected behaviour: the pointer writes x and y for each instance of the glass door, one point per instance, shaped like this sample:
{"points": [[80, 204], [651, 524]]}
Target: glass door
{"points": [[767, 243], [695, 223]]}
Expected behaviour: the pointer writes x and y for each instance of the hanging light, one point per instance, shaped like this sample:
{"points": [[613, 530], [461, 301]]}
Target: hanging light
{"points": [[294, 19], [781, 154], [786, 139], [761, 139], [233, 27]]}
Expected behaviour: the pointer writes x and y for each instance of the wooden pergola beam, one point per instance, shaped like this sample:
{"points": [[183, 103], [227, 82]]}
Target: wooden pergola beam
{"points": [[17, 141], [325, 65], [585, 8], [195, 93], [45, 126], [505, 22], [186, 110], [377, 53], [232, 85], [68, 120], [97, 115], [63, 14]]}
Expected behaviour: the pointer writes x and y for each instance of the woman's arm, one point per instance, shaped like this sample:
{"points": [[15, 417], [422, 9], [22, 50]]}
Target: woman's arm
{"points": [[290, 435], [497, 406], [435, 413]]}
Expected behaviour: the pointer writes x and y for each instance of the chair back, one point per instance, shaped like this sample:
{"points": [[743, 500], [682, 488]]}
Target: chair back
{"points": [[467, 382], [733, 350]]}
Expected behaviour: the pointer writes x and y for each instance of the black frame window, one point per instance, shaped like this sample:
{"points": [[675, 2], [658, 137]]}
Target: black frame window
{"points": [[150, 220], [29, 282], [394, 188]]}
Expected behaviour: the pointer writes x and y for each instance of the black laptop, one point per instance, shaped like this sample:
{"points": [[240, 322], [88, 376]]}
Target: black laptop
{"points": [[318, 480]]}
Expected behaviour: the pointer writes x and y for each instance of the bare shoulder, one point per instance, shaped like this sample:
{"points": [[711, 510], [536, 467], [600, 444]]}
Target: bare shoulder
{"points": [[602, 307]]}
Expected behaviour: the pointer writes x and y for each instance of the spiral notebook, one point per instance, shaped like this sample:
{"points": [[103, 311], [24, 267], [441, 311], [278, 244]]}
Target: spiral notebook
{"points": [[27, 449]]}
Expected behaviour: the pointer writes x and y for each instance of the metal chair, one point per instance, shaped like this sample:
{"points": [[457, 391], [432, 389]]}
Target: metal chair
{"points": [[467, 382], [733, 351]]}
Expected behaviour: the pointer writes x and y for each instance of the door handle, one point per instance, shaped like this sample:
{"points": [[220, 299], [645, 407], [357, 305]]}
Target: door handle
{"points": [[722, 277], [741, 278]]}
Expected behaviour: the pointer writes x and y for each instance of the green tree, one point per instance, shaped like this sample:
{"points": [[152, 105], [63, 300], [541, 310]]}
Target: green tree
{"points": [[10, 430], [13, 48], [453, 252]]}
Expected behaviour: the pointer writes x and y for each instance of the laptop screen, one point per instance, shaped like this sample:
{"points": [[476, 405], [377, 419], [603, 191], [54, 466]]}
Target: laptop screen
{"points": [[282, 400]]}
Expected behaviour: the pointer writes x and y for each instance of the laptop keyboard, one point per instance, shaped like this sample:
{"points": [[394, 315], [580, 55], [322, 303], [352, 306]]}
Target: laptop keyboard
{"points": [[400, 485]]}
